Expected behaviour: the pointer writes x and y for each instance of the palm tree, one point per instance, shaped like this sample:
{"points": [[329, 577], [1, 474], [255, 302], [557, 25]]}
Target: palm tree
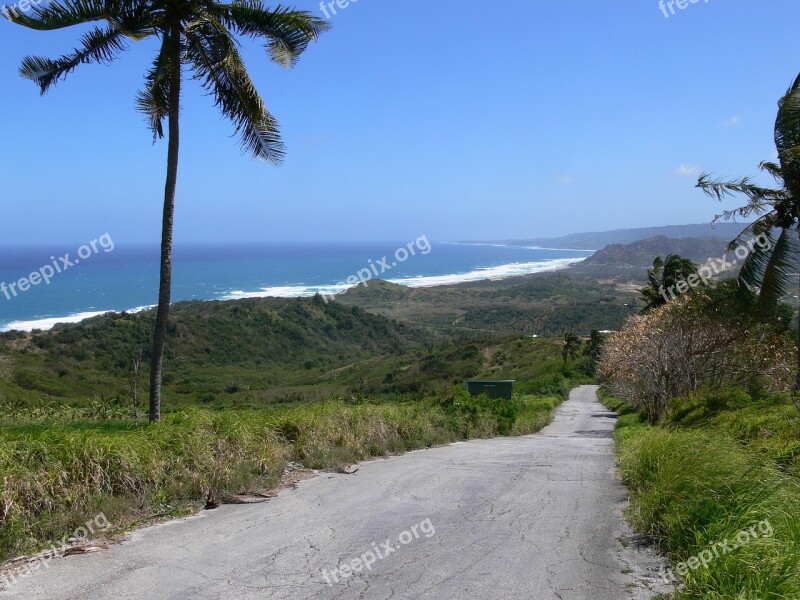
{"points": [[200, 36], [595, 347], [572, 347], [663, 279], [771, 266]]}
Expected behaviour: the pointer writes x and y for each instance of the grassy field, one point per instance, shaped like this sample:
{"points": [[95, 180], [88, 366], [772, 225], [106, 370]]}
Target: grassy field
{"points": [[716, 485]]}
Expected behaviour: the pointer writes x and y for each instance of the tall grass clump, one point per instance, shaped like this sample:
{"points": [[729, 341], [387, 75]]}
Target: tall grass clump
{"points": [[55, 477], [534, 413], [692, 489], [334, 434]]}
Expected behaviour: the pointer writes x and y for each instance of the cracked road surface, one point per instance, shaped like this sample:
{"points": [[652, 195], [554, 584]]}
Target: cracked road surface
{"points": [[532, 518]]}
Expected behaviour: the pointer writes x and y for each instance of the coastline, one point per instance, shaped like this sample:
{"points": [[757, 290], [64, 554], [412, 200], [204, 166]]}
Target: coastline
{"points": [[495, 273]]}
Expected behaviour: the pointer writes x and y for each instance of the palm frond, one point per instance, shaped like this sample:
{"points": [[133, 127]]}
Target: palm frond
{"points": [[60, 14], [99, 45], [770, 269], [763, 226], [780, 271], [787, 136], [655, 273], [154, 100], [773, 169], [219, 67], [138, 21], [720, 190], [288, 31]]}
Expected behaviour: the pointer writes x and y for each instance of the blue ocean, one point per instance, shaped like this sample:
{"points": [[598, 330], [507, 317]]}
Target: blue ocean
{"points": [[86, 281]]}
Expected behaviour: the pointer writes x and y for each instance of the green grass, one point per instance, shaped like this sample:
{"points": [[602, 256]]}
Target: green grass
{"points": [[535, 412], [767, 424], [696, 486]]}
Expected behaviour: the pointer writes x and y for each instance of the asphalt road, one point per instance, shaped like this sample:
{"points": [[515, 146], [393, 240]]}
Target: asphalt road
{"points": [[532, 518]]}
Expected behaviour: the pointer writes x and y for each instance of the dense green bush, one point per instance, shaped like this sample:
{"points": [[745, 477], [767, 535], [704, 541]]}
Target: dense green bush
{"points": [[550, 384]]}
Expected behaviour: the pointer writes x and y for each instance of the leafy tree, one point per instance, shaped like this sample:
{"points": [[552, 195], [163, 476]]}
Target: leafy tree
{"points": [[572, 347], [663, 279], [771, 266], [197, 36]]}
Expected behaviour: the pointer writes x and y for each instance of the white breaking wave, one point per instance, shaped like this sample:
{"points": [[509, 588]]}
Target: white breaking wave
{"points": [[50, 322], [491, 273], [514, 246], [288, 291]]}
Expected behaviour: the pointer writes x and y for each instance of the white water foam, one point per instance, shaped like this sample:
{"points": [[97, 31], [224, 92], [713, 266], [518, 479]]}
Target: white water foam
{"points": [[490, 273], [50, 322]]}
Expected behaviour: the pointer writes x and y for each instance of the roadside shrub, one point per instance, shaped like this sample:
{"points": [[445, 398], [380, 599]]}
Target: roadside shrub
{"points": [[702, 341]]}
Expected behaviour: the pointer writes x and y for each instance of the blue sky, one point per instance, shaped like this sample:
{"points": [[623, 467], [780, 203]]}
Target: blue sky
{"points": [[457, 120]]}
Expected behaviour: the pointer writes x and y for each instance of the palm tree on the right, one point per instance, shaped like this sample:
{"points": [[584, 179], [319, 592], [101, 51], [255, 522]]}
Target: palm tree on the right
{"points": [[664, 278], [770, 270]]}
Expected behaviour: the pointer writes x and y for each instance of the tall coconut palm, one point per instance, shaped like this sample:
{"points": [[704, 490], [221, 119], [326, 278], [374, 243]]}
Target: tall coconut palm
{"points": [[571, 348], [197, 37], [771, 268], [663, 279]]}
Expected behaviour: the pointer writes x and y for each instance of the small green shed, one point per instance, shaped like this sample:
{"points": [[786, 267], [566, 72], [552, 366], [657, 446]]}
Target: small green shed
{"points": [[494, 388]]}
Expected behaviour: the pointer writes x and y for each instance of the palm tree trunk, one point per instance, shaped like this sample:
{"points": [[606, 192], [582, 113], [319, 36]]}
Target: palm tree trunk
{"points": [[165, 284], [797, 375]]}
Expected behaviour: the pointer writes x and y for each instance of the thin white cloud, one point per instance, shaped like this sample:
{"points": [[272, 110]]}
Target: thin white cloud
{"points": [[733, 121], [565, 179], [688, 170]]}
